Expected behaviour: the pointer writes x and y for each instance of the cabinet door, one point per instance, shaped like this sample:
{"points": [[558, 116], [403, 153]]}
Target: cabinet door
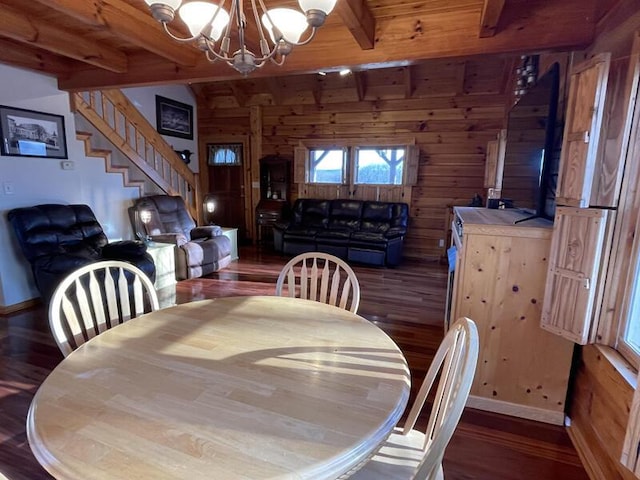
{"points": [[572, 278], [495, 162], [582, 131]]}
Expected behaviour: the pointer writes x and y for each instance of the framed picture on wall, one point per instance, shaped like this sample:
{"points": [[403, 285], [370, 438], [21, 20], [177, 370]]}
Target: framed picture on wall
{"points": [[174, 118], [27, 133]]}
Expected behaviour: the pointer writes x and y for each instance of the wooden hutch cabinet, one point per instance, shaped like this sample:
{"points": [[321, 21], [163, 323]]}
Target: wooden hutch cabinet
{"points": [[275, 182], [499, 282]]}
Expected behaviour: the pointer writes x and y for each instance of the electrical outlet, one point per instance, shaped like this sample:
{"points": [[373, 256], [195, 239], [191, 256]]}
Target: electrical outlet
{"points": [[441, 242], [67, 165], [8, 188]]}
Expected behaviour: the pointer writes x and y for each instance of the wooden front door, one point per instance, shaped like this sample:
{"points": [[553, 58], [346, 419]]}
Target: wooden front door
{"points": [[226, 184]]}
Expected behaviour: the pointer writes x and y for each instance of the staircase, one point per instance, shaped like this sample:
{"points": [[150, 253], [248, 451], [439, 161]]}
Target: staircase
{"points": [[115, 117]]}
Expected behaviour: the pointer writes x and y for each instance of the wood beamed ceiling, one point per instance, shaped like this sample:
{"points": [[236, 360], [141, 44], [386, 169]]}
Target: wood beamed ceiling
{"points": [[116, 43]]}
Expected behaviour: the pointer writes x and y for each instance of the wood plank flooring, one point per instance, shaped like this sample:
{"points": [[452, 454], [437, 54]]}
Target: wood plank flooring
{"points": [[406, 302]]}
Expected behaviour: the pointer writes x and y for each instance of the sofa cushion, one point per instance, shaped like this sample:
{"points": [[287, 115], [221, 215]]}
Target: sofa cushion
{"points": [[345, 215], [376, 217], [312, 213]]}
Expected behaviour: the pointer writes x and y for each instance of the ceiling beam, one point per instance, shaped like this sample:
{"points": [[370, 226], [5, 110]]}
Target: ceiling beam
{"points": [[357, 16], [18, 54], [360, 79], [491, 12], [15, 25], [128, 22], [440, 36]]}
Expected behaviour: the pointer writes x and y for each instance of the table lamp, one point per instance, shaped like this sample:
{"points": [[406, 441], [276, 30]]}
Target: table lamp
{"points": [[145, 218], [209, 209]]}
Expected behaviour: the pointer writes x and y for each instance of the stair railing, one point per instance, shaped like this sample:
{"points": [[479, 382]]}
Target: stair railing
{"points": [[113, 115]]}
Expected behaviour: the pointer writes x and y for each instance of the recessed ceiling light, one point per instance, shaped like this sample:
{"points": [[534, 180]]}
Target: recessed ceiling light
{"points": [[344, 72]]}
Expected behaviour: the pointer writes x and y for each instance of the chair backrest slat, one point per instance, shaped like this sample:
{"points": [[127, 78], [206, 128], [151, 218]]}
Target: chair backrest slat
{"points": [[84, 300], [97, 301], [455, 361], [327, 279], [111, 296]]}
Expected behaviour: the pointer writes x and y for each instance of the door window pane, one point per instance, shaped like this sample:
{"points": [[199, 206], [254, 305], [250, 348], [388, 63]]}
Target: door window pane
{"points": [[327, 166], [225, 154], [379, 165]]}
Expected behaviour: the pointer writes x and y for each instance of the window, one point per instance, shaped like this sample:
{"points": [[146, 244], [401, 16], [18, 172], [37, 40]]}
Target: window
{"points": [[629, 343], [379, 165], [327, 166], [227, 154]]}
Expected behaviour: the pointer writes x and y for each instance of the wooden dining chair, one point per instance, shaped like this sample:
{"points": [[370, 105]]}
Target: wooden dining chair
{"points": [[409, 453], [321, 277], [96, 297]]}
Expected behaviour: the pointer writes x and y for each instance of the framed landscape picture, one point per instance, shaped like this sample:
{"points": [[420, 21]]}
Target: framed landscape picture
{"points": [[174, 118], [27, 133]]}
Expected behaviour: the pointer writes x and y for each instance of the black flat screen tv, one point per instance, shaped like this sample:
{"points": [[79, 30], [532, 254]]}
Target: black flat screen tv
{"points": [[530, 169]]}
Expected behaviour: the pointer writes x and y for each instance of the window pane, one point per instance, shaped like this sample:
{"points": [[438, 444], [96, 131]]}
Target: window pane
{"points": [[379, 166], [326, 166], [225, 154]]}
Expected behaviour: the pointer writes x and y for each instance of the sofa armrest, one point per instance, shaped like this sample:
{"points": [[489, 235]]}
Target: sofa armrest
{"points": [[394, 232], [177, 239], [208, 231], [125, 248]]}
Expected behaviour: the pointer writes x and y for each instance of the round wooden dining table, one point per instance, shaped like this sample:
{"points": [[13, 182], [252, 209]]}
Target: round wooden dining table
{"points": [[231, 388]]}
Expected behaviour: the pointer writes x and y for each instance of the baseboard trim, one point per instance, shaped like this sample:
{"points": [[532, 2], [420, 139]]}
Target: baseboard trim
{"points": [[9, 309], [587, 457], [516, 410]]}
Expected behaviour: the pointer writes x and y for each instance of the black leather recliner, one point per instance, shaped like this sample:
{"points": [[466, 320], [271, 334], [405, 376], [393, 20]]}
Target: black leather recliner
{"points": [[58, 239], [359, 231]]}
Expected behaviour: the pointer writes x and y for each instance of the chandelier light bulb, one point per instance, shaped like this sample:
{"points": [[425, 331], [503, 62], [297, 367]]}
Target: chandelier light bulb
{"points": [[197, 15], [291, 23]]}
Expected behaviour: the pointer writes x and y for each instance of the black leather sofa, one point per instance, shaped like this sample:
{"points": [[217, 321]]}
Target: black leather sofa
{"points": [[58, 239], [358, 231]]}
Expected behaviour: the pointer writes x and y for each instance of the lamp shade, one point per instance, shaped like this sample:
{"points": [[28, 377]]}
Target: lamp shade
{"points": [[323, 5], [171, 3], [197, 15], [291, 23], [219, 23]]}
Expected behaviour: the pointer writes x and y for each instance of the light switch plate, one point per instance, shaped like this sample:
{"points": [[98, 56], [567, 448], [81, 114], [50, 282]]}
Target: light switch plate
{"points": [[8, 188], [67, 165]]}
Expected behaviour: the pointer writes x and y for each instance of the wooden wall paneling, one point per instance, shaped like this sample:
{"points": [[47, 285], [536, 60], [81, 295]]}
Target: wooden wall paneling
{"points": [[449, 128], [599, 411]]}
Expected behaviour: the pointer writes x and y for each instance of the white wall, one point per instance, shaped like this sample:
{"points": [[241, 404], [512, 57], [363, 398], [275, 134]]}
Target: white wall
{"points": [[144, 99], [42, 180]]}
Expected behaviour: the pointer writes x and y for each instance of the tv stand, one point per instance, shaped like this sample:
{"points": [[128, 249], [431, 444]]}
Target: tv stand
{"points": [[530, 217], [498, 282]]}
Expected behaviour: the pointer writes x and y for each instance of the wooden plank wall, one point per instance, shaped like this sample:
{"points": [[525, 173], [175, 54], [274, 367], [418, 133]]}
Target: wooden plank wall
{"points": [[451, 109]]}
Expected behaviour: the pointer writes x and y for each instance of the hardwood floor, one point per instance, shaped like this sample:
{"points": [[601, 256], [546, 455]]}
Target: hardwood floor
{"points": [[406, 302]]}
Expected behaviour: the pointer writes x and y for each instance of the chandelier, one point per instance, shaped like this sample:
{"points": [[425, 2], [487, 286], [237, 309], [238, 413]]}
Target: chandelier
{"points": [[210, 28]]}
